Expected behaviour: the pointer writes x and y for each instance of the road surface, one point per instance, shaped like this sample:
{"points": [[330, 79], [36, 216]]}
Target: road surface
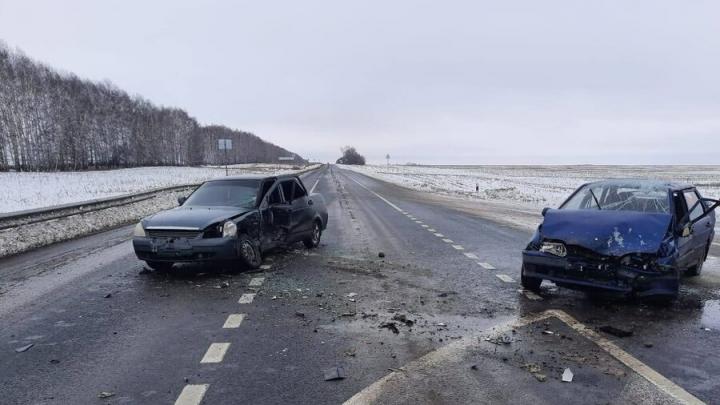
{"points": [[105, 330]]}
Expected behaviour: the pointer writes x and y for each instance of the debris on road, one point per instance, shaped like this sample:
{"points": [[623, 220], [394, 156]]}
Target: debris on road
{"points": [[390, 325], [24, 348], [106, 394], [499, 340], [224, 284], [402, 318], [350, 353], [609, 329], [381, 254], [648, 344], [352, 294], [300, 314], [108, 295], [335, 373], [567, 375], [535, 370]]}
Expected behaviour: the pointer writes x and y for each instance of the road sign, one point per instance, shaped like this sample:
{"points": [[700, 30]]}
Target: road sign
{"points": [[224, 144]]}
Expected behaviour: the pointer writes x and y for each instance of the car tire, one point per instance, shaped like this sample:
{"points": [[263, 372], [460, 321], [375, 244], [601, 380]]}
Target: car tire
{"points": [[160, 267], [529, 283], [314, 240], [248, 252]]}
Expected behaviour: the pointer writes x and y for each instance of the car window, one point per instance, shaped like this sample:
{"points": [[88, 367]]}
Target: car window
{"points": [[287, 187], [228, 193], [275, 197], [691, 199], [620, 197], [299, 191]]}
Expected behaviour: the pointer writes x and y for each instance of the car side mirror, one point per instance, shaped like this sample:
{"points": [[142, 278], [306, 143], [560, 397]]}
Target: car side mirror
{"points": [[181, 200], [545, 210]]}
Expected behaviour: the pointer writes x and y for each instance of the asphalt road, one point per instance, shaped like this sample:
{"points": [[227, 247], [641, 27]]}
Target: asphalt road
{"points": [[101, 325]]}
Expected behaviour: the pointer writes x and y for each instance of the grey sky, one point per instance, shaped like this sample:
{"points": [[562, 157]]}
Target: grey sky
{"points": [[426, 81]]}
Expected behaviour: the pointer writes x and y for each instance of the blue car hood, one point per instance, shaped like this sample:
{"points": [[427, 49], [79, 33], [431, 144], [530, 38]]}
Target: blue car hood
{"points": [[609, 233], [193, 217]]}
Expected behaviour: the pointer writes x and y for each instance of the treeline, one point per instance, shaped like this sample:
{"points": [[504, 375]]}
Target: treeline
{"points": [[51, 121]]}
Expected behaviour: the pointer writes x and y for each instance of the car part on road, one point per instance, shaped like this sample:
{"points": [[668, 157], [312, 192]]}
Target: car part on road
{"points": [[161, 267]]}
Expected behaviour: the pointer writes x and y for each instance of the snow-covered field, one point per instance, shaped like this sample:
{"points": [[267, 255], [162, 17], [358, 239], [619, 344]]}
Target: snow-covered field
{"points": [[531, 186], [24, 191]]}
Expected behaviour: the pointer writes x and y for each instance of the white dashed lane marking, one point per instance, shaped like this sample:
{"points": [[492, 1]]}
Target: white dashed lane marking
{"points": [[471, 256], [432, 230], [530, 295], [448, 241], [233, 321], [458, 247], [439, 235], [505, 278], [486, 266], [192, 394], [215, 353], [424, 226], [256, 281], [246, 298]]}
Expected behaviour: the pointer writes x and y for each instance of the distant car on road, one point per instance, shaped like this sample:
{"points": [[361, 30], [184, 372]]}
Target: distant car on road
{"points": [[630, 236], [232, 219]]}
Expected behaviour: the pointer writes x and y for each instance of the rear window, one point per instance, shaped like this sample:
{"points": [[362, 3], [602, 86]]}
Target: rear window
{"points": [[620, 197]]}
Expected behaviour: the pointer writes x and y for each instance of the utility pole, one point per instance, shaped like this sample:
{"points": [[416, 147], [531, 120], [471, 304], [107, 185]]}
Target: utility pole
{"points": [[387, 157]]}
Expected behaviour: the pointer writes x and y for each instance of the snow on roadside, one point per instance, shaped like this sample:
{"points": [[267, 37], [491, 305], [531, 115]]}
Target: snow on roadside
{"points": [[28, 190], [531, 186]]}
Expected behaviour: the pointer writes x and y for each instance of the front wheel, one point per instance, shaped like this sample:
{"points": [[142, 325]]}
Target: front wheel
{"points": [[249, 252], [529, 283], [697, 269], [314, 240]]}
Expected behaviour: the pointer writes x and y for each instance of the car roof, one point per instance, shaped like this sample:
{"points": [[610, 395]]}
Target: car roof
{"points": [[664, 184], [256, 177]]}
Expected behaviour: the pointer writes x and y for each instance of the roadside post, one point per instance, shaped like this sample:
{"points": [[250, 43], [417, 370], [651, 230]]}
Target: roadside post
{"points": [[387, 157], [225, 145]]}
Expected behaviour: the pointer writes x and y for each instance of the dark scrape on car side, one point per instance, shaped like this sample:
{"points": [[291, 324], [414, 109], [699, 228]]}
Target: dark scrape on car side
{"points": [[233, 219], [630, 236]]}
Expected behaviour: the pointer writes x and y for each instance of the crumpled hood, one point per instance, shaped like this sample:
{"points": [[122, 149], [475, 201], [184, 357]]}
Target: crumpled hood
{"points": [[610, 233], [193, 217]]}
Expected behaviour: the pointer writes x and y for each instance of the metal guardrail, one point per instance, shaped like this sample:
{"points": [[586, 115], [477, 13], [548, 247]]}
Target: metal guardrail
{"points": [[14, 219], [27, 217]]}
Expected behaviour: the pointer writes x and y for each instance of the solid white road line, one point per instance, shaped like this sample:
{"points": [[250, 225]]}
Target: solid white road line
{"points": [[448, 241], [439, 235], [246, 298], [192, 394], [215, 353], [256, 281], [486, 266], [315, 185], [233, 321], [505, 278], [471, 256], [458, 247], [378, 195]]}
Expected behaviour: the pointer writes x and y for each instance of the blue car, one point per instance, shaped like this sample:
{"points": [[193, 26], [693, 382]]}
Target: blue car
{"points": [[635, 237]]}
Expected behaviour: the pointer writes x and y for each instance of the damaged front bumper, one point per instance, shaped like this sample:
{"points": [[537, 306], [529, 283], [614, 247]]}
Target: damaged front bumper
{"points": [[579, 273], [184, 250]]}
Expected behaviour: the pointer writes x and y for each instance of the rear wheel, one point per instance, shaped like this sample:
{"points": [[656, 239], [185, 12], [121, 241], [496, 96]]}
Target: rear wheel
{"points": [[248, 252], [314, 240], [530, 283], [161, 267]]}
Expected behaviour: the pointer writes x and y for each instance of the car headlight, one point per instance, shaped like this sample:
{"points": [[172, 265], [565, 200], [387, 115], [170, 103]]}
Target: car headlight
{"points": [[554, 248], [229, 229], [139, 230]]}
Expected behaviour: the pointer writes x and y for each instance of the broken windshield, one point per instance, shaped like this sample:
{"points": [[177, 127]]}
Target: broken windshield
{"points": [[620, 197]]}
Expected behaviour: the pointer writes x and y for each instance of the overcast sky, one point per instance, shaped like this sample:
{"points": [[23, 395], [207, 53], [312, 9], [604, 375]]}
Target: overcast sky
{"points": [[449, 82]]}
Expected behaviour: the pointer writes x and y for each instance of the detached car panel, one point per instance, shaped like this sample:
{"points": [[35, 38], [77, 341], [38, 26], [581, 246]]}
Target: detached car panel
{"points": [[232, 218], [629, 236]]}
